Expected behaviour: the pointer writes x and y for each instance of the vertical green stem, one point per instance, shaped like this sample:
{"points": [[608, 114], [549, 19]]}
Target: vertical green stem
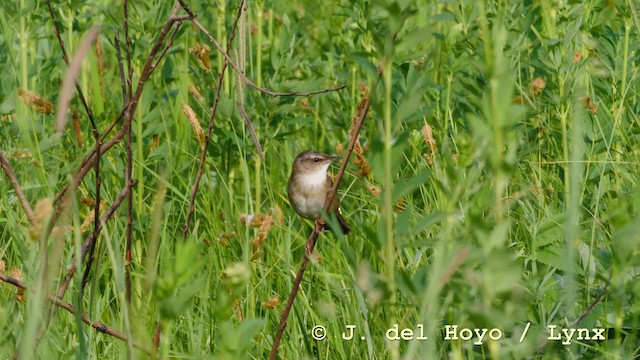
{"points": [[565, 140], [353, 90], [270, 29], [140, 162], [389, 250], [221, 34], [258, 163], [260, 10], [499, 180], [23, 46], [499, 176]]}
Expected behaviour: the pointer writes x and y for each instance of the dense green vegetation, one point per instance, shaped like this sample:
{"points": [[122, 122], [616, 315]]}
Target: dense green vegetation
{"points": [[494, 184]]}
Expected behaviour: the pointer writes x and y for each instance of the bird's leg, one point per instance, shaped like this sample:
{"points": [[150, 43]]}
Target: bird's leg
{"points": [[320, 226], [308, 250]]}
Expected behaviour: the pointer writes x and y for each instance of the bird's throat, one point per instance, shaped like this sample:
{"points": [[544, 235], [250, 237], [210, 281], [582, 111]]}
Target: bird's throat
{"points": [[313, 179]]}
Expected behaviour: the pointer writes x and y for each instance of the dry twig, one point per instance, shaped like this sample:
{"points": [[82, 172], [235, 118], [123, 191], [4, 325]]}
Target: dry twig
{"points": [[88, 243], [239, 71], [212, 113], [16, 187], [99, 326], [252, 131], [311, 241]]}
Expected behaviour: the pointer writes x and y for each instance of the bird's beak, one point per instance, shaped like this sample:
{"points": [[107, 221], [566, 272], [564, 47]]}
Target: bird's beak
{"points": [[334, 158]]}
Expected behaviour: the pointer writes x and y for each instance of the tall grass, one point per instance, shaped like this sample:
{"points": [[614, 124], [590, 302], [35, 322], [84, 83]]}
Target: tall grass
{"points": [[514, 211]]}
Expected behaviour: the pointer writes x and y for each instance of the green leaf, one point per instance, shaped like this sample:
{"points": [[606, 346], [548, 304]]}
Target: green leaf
{"points": [[406, 187], [413, 39], [549, 230], [553, 256]]}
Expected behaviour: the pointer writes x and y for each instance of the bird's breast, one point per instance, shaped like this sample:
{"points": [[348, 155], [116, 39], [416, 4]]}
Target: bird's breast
{"points": [[308, 194]]}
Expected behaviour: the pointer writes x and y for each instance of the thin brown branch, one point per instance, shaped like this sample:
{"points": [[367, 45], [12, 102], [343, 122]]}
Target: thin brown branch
{"points": [[63, 104], [90, 159], [127, 41], [311, 241], [252, 131], [188, 10], [96, 214], [457, 261], [4, 162], [179, 18], [156, 336], [128, 173], [89, 241], [56, 31], [170, 41], [148, 67], [123, 81], [239, 71], [212, 113], [99, 326], [129, 230], [590, 307]]}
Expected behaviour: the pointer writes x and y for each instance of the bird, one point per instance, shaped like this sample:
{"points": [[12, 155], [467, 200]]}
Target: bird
{"points": [[309, 186]]}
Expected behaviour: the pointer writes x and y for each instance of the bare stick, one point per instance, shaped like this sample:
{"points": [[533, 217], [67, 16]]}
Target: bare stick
{"points": [[148, 67], [584, 314], [188, 10], [56, 31], [252, 131], [128, 176], [169, 42], [239, 71], [590, 307], [311, 241], [212, 113], [123, 80], [99, 326], [128, 172], [96, 214], [156, 336], [16, 187], [127, 41], [90, 239], [90, 159], [457, 261]]}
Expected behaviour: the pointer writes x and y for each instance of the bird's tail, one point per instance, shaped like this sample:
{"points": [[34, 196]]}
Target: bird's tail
{"points": [[346, 229], [343, 224]]}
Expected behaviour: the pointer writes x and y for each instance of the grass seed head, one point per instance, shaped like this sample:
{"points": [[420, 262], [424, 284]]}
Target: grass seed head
{"points": [[20, 293], [202, 53], [41, 214], [40, 104], [537, 85], [273, 302], [195, 123]]}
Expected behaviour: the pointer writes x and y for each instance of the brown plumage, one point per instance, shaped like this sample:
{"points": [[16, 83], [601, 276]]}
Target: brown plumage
{"points": [[309, 186]]}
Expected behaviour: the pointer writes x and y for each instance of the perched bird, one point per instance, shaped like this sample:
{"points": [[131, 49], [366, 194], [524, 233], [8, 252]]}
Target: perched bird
{"points": [[309, 185]]}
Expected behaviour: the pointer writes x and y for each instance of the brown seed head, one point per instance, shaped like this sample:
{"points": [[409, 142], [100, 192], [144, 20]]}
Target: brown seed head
{"points": [[202, 53], [40, 104], [273, 302], [537, 85], [195, 124]]}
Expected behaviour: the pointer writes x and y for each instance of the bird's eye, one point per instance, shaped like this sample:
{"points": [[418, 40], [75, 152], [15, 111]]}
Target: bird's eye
{"points": [[316, 159]]}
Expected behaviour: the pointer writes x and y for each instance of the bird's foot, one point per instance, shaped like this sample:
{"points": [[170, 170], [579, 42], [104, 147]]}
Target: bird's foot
{"points": [[323, 225]]}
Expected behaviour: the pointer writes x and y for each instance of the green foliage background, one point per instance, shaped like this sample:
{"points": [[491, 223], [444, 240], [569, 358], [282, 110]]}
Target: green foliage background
{"points": [[525, 212]]}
